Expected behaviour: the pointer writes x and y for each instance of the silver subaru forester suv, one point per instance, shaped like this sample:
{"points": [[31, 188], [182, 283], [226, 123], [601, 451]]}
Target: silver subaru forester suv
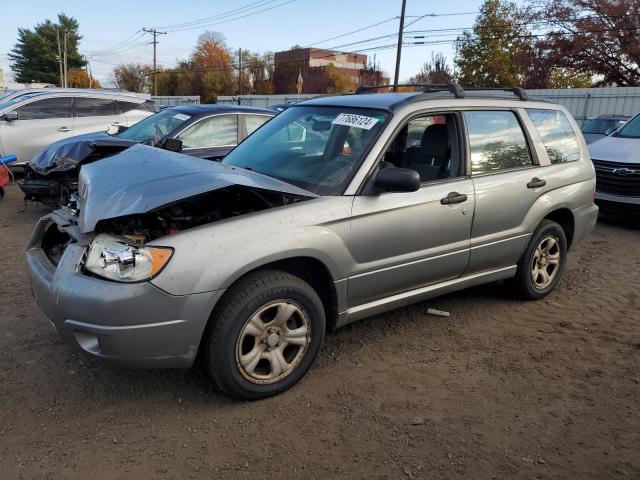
{"points": [[336, 209]]}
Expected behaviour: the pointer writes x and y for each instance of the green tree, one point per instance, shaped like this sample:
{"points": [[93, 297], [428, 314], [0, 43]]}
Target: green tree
{"points": [[494, 53], [34, 57]]}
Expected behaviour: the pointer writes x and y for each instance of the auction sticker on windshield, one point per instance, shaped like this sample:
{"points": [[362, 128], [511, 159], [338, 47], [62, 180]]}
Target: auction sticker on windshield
{"points": [[181, 116], [358, 121]]}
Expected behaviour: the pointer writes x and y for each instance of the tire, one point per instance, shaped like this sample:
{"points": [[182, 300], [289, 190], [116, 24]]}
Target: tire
{"points": [[530, 285], [257, 346]]}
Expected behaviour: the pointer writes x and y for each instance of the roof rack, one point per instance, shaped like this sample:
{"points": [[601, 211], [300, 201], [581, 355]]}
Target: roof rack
{"points": [[452, 87]]}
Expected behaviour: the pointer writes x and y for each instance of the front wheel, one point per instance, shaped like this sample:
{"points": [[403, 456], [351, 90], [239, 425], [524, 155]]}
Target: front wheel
{"points": [[266, 334], [542, 264]]}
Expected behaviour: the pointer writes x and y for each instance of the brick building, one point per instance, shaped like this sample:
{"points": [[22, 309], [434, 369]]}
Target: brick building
{"points": [[313, 63]]}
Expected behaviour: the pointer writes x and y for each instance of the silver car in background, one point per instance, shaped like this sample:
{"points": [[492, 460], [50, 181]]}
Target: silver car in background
{"points": [[617, 162], [336, 209], [34, 120]]}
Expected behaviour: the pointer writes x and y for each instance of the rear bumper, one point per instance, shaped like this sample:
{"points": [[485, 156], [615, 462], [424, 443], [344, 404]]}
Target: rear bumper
{"points": [[136, 325]]}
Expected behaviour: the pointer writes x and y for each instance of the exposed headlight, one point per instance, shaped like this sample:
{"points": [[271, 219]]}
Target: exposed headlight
{"points": [[114, 258]]}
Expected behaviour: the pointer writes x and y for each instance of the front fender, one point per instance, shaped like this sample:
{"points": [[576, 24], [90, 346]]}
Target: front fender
{"points": [[214, 256]]}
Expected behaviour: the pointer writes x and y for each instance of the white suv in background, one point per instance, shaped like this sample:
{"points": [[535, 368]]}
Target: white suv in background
{"points": [[33, 121]]}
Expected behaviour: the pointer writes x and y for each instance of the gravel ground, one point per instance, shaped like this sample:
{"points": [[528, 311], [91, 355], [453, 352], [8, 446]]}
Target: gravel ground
{"points": [[501, 389]]}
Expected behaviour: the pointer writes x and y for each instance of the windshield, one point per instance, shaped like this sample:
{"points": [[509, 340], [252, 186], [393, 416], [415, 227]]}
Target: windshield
{"points": [[631, 129], [315, 148], [601, 125], [159, 124]]}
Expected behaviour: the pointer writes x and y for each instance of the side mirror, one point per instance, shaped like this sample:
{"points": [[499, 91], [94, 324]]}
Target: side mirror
{"points": [[172, 144], [610, 131], [121, 128], [10, 116], [394, 179]]}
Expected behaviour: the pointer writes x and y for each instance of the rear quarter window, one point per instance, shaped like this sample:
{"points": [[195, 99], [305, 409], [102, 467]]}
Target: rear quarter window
{"points": [[557, 135]]}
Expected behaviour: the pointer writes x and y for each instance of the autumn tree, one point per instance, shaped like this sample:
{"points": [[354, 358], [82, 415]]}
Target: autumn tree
{"points": [[134, 77], [494, 53], [79, 78], [594, 38], [35, 58], [436, 70], [213, 66], [258, 73], [336, 80]]}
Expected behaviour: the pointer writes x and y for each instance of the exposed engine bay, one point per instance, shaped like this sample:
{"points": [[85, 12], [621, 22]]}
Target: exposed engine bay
{"points": [[188, 213], [54, 187]]}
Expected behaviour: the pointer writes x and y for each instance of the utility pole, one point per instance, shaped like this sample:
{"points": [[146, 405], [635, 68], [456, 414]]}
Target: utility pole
{"points": [[60, 58], [399, 52], [239, 71], [65, 60], [154, 32]]}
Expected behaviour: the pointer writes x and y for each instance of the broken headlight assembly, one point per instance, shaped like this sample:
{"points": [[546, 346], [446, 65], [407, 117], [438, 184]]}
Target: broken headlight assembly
{"points": [[116, 258]]}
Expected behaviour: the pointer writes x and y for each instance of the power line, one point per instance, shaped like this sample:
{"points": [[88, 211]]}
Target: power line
{"points": [[235, 11], [251, 13]]}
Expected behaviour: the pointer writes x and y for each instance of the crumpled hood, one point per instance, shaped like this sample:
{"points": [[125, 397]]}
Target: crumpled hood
{"points": [[144, 178], [66, 154], [616, 149]]}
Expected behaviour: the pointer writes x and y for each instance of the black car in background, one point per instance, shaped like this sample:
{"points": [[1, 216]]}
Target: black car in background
{"points": [[204, 131]]}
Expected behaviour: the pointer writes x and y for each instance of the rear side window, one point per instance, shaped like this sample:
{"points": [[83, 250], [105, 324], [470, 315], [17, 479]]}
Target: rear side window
{"points": [[124, 107], [497, 142], [558, 137], [46, 108], [253, 122], [94, 107], [218, 131]]}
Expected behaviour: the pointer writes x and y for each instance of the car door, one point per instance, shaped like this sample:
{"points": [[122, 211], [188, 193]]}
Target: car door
{"points": [[92, 114], [40, 122], [404, 241], [507, 180], [211, 137]]}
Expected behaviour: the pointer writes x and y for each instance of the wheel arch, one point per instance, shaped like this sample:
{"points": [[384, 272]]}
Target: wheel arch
{"points": [[564, 217]]}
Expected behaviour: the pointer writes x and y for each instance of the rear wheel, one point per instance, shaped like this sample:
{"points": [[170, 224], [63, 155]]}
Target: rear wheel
{"points": [[542, 264], [265, 336]]}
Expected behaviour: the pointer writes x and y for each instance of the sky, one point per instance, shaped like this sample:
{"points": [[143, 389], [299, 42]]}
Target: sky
{"points": [[111, 30]]}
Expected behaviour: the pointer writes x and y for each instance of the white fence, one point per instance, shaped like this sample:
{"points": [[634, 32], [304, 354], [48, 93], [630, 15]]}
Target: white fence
{"points": [[170, 101], [586, 103], [263, 101]]}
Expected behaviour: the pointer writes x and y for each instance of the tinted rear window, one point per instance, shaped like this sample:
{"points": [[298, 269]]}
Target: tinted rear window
{"points": [[94, 107], [558, 136]]}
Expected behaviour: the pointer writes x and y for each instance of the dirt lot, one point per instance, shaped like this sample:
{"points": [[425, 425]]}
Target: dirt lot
{"points": [[501, 389]]}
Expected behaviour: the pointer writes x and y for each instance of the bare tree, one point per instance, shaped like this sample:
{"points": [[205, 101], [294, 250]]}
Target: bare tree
{"points": [[133, 77]]}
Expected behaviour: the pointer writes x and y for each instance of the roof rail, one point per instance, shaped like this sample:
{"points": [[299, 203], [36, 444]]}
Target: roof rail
{"points": [[517, 91], [452, 87]]}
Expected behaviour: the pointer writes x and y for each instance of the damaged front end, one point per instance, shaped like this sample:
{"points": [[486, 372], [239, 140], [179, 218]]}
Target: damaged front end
{"points": [[119, 210], [51, 176]]}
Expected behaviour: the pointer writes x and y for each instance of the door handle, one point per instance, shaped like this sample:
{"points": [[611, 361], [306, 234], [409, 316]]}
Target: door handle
{"points": [[536, 183], [64, 129], [453, 197]]}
